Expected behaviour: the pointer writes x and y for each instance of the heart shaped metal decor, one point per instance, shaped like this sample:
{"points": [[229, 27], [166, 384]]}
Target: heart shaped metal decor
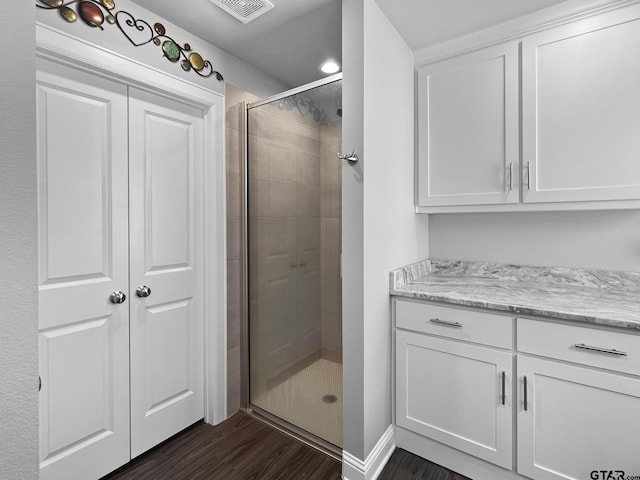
{"points": [[141, 31]]}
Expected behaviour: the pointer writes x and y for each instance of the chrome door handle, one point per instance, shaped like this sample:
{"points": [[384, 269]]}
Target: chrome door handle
{"points": [[118, 297], [143, 291]]}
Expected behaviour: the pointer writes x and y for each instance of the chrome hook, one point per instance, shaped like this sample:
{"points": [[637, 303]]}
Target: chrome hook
{"points": [[352, 157]]}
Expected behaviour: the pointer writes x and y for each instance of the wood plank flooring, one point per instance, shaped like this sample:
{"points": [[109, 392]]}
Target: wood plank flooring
{"points": [[243, 448], [405, 466], [240, 448]]}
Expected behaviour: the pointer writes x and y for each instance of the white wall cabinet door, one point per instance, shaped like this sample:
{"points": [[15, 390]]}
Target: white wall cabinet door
{"points": [[581, 104], [468, 140], [453, 392], [166, 190], [83, 258], [576, 420]]}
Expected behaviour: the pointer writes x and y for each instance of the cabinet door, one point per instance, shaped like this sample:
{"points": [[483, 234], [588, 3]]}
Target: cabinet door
{"points": [[468, 129], [576, 420], [581, 110], [454, 393], [83, 258]]}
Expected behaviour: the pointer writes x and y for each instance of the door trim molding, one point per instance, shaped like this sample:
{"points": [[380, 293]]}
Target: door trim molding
{"points": [[60, 47]]}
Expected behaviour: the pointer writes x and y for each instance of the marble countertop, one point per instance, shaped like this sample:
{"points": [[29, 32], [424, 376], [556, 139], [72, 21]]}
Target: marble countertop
{"points": [[593, 296]]}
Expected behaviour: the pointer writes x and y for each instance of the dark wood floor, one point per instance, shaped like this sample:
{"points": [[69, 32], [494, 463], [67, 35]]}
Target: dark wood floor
{"points": [[243, 448], [405, 466]]}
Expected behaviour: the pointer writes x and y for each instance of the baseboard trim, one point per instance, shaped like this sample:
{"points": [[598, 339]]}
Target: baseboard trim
{"points": [[355, 469]]}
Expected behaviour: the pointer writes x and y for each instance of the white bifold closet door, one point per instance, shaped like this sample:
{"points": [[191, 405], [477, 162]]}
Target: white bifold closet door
{"points": [[83, 258], [120, 207], [165, 195]]}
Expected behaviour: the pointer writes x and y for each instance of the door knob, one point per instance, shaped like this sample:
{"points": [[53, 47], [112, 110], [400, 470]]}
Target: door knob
{"points": [[143, 291], [118, 297]]}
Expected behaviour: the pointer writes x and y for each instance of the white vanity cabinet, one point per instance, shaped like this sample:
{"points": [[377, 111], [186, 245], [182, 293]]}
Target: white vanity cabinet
{"points": [[494, 397], [574, 418], [548, 121], [580, 110], [468, 128], [456, 392]]}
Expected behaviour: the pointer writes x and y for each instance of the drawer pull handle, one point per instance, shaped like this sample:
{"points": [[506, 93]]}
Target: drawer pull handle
{"points": [[444, 322], [503, 387], [525, 394], [601, 350]]}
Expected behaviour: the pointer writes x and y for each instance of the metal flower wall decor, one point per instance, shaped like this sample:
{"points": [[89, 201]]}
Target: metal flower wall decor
{"points": [[96, 12]]}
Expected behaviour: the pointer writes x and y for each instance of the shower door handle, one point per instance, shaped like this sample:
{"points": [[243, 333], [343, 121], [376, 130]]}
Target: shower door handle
{"points": [[352, 157]]}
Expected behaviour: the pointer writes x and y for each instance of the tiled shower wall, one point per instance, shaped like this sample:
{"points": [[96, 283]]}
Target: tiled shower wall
{"points": [[233, 97]]}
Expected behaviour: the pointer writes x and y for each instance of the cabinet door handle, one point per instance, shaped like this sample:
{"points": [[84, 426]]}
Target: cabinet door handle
{"points": [[510, 176], [528, 176], [503, 387], [525, 394], [444, 322], [608, 351]]}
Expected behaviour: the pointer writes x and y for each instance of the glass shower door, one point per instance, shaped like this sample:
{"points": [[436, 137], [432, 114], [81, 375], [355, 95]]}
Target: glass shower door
{"points": [[295, 328]]}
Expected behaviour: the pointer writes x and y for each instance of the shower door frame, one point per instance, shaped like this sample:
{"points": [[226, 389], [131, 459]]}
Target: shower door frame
{"points": [[245, 377]]}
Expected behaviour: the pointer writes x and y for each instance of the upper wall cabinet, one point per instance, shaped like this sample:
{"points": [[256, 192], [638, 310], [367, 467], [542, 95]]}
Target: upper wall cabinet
{"points": [[559, 132], [581, 110], [468, 128]]}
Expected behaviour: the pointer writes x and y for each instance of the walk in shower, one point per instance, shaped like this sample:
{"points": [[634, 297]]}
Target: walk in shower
{"points": [[293, 302]]}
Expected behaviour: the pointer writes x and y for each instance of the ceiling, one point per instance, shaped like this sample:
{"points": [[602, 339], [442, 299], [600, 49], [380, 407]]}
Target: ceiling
{"points": [[292, 40], [424, 23]]}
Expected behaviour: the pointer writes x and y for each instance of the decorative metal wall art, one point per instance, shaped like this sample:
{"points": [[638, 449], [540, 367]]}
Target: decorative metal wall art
{"points": [[95, 12]]}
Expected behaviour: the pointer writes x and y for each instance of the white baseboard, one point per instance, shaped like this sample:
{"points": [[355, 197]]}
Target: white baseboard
{"points": [[355, 469]]}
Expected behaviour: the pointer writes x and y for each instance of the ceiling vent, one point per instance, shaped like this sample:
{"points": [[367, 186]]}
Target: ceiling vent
{"points": [[244, 10]]}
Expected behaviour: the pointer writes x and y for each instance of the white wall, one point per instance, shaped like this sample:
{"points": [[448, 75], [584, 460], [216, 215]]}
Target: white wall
{"points": [[601, 240], [393, 234], [234, 70], [378, 210], [18, 250], [352, 228]]}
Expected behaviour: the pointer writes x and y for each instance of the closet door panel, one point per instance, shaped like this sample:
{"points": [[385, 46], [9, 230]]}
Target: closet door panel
{"points": [[83, 258], [166, 163]]}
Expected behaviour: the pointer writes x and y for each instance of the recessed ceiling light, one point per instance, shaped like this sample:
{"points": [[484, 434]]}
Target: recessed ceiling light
{"points": [[330, 67]]}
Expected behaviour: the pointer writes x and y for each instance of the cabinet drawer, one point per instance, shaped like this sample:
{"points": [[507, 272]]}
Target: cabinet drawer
{"points": [[617, 351], [469, 325]]}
